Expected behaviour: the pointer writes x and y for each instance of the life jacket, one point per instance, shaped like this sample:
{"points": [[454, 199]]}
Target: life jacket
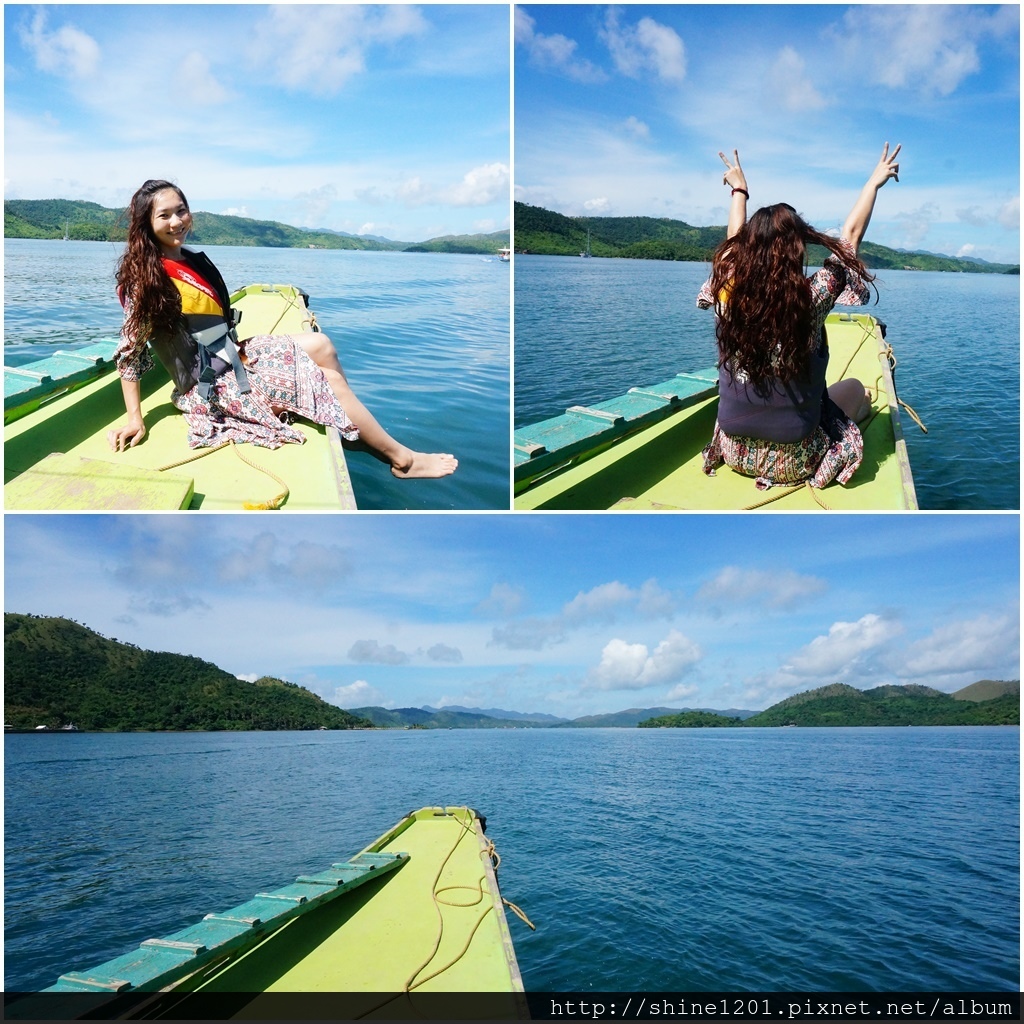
{"points": [[207, 345]]}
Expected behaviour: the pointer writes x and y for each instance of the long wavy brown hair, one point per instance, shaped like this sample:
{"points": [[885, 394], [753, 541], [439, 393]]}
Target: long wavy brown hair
{"points": [[763, 296], [152, 302]]}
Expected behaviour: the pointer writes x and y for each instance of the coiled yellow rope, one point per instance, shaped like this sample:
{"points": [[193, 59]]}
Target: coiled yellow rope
{"points": [[273, 503], [415, 981]]}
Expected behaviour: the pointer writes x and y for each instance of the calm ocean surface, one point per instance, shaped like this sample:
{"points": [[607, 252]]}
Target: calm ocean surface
{"points": [[423, 337], [673, 860], [587, 330]]}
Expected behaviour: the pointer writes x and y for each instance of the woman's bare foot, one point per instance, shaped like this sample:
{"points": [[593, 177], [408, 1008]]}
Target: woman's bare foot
{"points": [[424, 465]]}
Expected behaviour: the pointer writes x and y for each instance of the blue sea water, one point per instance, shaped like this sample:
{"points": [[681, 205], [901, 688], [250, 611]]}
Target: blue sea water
{"points": [[587, 330], [658, 860], [423, 338]]}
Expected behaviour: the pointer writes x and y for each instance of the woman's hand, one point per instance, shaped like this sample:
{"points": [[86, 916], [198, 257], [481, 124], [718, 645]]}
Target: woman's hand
{"points": [[734, 175], [886, 168], [127, 436], [860, 216]]}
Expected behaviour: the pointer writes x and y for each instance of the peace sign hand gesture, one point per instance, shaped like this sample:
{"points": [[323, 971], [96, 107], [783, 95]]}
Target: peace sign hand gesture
{"points": [[886, 168], [734, 175]]}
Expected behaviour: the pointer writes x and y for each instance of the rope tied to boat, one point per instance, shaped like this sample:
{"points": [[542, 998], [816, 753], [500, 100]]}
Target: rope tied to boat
{"points": [[492, 854], [273, 503]]}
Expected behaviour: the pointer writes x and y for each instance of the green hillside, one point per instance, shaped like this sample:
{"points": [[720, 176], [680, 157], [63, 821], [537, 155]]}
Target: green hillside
{"points": [[690, 720], [58, 672], [49, 218], [464, 243], [544, 232], [989, 689], [843, 705]]}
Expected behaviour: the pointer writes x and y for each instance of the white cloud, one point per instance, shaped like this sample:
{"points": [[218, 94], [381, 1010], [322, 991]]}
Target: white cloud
{"points": [[914, 225], [371, 652], [503, 600], [780, 588], [198, 82], [318, 49], [359, 694], [235, 211], [837, 653], [600, 603], [553, 52], [636, 127], [974, 216], [480, 186], [647, 46], [67, 52], [986, 644], [932, 48], [597, 206], [603, 604], [626, 666], [444, 653], [267, 559], [787, 83], [681, 691], [528, 634], [1009, 214]]}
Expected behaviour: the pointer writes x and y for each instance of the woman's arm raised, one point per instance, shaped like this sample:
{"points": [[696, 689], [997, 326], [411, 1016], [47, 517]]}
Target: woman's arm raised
{"points": [[860, 216], [735, 177]]}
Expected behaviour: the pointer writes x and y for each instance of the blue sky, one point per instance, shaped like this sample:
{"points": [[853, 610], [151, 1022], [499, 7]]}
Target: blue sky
{"points": [[564, 614], [623, 110], [385, 120]]}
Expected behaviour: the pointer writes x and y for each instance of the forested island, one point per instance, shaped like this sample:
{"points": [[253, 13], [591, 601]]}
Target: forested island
{"points": [[986, 702], [83, 221], [546, 233], [59, 673]]}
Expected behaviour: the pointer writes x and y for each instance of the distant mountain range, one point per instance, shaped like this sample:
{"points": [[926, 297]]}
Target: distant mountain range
{"points": [[495, 718], [83, 221], [58, 672], [986, 702], [544, 232]]}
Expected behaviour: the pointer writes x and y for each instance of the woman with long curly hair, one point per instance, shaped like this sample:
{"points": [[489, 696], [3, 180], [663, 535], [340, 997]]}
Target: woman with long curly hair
{"points": [[177, 306], [777, 421]]}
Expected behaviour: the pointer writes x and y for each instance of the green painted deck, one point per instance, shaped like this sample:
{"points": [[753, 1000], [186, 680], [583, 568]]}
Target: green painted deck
{"points": [[383, 939], [654, 462], [417, 911], [75, 423]]}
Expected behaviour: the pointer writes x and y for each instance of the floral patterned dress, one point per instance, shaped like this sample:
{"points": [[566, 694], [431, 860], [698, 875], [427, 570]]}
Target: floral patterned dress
{"points": [[835, 449], [283, 378]]}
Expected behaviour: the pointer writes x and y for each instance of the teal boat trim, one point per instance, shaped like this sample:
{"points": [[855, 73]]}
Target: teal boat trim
{"points": [[551, 444], [28, 387], [159, 963]]}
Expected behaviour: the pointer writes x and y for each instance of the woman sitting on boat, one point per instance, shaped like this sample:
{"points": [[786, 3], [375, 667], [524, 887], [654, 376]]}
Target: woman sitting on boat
{"points": [[176, 300], [777, 421]]}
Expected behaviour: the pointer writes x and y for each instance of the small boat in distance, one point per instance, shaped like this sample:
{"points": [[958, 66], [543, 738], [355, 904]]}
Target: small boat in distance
{"points": [[643, 450], [414, 915], [505, 255], [586, 253]]}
